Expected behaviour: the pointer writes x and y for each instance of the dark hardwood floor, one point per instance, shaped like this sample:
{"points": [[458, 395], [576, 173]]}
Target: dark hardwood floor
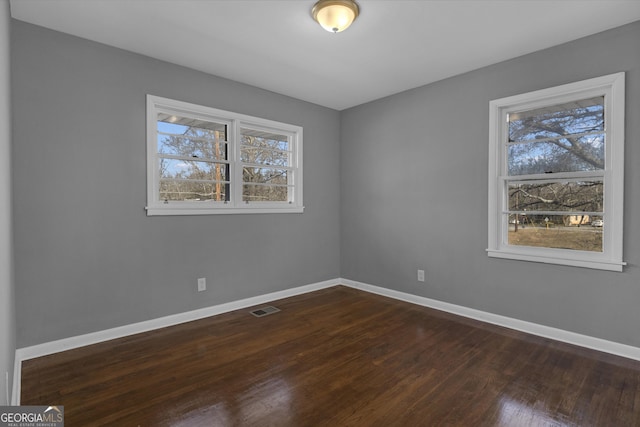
{"points": [[336, 357]]}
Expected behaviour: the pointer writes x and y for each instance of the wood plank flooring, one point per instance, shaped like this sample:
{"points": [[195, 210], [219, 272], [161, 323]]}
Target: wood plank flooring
{"points": [[336, 357]]}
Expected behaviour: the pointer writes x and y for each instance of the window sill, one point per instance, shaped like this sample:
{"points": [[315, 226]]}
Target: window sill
{"points": [[598, 264], [164, 211]]}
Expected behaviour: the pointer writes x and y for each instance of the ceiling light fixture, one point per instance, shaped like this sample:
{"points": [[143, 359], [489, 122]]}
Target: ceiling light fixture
{"points": [[335, 15]]}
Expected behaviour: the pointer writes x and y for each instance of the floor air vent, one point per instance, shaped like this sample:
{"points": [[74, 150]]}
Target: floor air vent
{"points": [[265, 311]]}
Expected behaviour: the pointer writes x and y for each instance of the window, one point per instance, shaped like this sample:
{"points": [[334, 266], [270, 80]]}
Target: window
{"points": [[556, 175], [206, 161]]}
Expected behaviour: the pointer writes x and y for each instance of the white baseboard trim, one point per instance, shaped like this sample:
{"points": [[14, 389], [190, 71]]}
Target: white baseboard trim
{"points": [[586, 341], [57, 346], [52, 347]]}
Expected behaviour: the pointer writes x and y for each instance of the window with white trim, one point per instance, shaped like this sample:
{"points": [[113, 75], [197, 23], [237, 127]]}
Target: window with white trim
{"points": [[201, 160], [556, 175]]}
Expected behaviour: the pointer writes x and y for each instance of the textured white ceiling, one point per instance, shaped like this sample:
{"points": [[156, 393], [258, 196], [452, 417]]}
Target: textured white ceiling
{"points": [[393, 46]]}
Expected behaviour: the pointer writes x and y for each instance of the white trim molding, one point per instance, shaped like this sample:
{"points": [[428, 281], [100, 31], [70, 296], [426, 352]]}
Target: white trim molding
{"points": [[610, 175], [64, 344], [227, 134]]}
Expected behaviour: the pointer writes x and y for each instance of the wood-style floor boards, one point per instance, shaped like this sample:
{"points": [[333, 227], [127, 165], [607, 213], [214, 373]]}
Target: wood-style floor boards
{"points": [[336, 357]]}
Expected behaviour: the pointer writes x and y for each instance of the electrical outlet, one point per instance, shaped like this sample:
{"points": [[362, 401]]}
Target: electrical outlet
{"points": [[420, 275], [202, 284]]}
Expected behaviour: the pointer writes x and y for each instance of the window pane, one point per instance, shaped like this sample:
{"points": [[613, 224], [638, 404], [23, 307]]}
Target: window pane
{"points": [[264, 156], [258, 138], [191, 138], [576, 232], [557, 196], [265, 148], [575, 154], [180, 190], [187, 169], [265, 175], [264, 193], [572, 118]]}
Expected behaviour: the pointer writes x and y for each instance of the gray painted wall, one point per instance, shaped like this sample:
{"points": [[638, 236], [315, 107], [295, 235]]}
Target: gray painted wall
{"points": [[7, 315], [414, 195], [87, 258]]}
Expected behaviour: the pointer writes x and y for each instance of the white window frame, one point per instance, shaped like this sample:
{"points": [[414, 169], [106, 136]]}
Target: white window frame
{"points": [[234, 122], [612, 88]]}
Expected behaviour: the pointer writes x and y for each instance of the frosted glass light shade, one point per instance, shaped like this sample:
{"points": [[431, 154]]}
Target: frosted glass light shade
{"points": [[335, 15]]}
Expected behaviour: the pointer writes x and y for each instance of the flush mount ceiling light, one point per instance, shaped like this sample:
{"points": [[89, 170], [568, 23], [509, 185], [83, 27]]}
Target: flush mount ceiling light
{"points": [[335, 15]]}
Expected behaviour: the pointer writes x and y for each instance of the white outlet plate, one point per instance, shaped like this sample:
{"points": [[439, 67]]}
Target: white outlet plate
{"points": [[202, 284], [420, 275]]}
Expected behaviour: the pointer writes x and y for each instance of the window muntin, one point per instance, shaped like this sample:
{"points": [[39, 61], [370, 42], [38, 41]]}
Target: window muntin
{"points": [[201, 160], [556, 175]]}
